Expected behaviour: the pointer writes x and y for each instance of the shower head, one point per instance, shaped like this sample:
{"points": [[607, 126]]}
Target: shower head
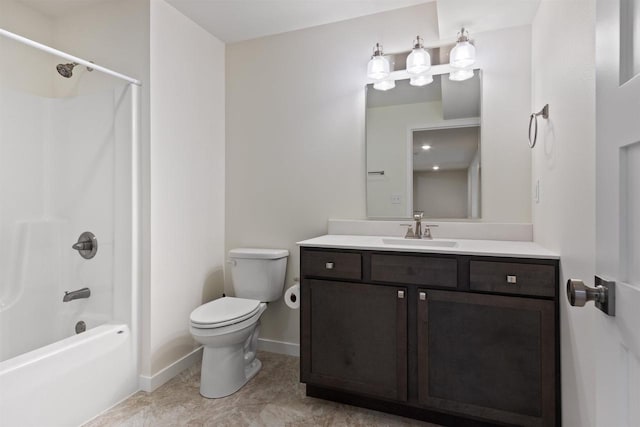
{"points": [[66, 70]]}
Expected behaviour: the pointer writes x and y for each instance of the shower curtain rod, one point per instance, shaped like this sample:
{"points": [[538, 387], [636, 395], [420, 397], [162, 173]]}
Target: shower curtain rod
{"points": [[68, 57]]}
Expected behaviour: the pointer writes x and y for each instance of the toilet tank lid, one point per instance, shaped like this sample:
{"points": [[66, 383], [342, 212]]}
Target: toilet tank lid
{"points": [[255, 253]]}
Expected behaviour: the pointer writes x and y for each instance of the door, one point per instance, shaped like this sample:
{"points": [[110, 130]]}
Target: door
{"points": [[488, 356], [617, 341], [354, 337]]}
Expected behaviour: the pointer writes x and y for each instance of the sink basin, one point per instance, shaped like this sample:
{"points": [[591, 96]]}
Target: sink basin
{"points": [[425, 243]]}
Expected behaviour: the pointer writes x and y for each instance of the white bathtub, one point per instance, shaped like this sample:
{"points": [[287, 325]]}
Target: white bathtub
{"points": [[69, 382]]}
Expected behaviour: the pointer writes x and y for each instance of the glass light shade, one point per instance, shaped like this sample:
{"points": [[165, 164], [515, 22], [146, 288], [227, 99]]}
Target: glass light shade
{"points": [[421, 80], [460, 75], [462, 55], [378, 68], [418, 61], [384, 85]]}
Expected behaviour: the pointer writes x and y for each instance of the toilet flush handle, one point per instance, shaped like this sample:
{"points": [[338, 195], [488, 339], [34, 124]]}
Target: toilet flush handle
{"points": [[232, 262]]}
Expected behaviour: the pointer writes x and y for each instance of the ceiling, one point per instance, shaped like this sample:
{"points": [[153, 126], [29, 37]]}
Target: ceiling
{"points": [[236, 20], [451, 149], [57, 8], [483, 15]]}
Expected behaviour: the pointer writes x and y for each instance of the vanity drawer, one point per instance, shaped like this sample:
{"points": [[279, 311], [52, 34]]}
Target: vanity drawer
{"points": [[415, 270], [332, 265], [512, 278]]}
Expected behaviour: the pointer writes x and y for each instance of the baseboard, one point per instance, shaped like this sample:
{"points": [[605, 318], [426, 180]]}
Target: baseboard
{"points": [[280, 347], [152, 383]]}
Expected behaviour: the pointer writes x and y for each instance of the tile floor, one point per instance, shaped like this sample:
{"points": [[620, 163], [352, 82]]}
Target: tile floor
{"points": [[274, 397]]}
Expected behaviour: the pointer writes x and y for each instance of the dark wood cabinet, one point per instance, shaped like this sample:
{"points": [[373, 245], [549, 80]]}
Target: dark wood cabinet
{"points": [[357, 337], [451, 339], [487, 355], [330, 265], [512, 278], [415, 270]]}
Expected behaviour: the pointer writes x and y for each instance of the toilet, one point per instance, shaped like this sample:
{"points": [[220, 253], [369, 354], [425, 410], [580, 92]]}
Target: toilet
{"points": [[228, 327]]}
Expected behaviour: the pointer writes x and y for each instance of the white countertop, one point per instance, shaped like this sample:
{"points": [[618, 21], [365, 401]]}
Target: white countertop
{"points": [[498, 248]]}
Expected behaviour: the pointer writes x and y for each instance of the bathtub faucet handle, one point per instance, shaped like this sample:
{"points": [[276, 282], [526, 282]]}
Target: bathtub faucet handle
{"points": [[82, 246], [87, 245]]}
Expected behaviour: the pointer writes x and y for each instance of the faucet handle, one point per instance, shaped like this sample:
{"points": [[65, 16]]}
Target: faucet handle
{"points": [[427, 230], [410, 234]]}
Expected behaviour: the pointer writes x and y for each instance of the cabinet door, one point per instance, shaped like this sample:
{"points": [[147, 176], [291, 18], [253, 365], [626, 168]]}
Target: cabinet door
{"points": [[487, 356], [354, 337]]}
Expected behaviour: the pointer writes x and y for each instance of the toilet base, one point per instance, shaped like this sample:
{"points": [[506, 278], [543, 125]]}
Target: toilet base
{"points": [[226, 369], [252, 369]]}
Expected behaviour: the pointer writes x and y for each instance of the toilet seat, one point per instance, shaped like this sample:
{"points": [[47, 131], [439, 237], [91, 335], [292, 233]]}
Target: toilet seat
{"points": [[224, 311]]}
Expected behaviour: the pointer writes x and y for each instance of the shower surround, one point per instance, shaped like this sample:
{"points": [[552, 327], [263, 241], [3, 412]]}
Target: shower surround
{"points": [[66, 167]]}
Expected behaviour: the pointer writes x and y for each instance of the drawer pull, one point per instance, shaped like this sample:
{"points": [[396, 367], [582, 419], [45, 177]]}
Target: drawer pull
{"points": [[512, 279], [423, 296], [329, 266], [401, 294]]}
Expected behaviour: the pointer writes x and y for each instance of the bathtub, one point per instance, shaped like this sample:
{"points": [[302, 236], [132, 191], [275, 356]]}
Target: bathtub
{"points": [[71, 381]]}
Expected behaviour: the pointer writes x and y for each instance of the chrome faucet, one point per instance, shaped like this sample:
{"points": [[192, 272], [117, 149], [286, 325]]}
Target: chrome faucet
{"points": [[80, 293], [417, 217]]}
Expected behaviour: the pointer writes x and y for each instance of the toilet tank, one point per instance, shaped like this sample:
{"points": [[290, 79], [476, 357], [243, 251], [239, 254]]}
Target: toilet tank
{"points": [[258, 273]]}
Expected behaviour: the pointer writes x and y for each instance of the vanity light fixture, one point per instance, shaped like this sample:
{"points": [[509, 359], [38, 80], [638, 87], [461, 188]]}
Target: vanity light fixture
{"points": [[384, 84], [426, 147], [436, 167], [419, 60], [461, 75], [421, 80], [378, 67], [463, 55]]}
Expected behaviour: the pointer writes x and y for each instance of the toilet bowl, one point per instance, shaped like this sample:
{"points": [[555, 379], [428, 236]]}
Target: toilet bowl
{"points": [[229, 357], [228, 327]]}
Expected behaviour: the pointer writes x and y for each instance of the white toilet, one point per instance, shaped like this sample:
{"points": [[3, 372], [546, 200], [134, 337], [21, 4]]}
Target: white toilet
{"points": [[228, 327]]}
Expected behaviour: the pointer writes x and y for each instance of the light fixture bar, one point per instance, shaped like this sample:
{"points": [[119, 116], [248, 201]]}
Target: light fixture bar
{"points": [[435, 70]]}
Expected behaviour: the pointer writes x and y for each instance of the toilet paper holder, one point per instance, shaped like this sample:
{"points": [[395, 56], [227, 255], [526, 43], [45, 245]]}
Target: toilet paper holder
{"points": [[292, 295]]}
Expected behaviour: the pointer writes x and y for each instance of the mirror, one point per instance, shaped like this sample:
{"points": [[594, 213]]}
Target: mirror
{"points": [[423, 149]]}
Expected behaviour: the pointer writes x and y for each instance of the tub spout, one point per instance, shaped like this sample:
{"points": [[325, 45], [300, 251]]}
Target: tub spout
{"points": [[80, 293]]}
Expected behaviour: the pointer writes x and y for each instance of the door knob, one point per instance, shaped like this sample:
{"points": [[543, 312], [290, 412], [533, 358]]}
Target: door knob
{"points": [[579, 293], [602, 295]]}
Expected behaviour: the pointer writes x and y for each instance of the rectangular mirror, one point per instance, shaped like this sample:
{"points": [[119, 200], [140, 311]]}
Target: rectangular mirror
{"points": [[423, 149]]}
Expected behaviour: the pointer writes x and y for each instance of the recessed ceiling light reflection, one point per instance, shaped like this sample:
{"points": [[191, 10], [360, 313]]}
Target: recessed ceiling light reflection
{"points": [[436, 167], [426, 147]]}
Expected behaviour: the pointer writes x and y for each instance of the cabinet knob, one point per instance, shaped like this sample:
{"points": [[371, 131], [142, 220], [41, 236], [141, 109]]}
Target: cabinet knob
{"points": [[512, 279], [328, 266], [422, 296], [400, 294]]}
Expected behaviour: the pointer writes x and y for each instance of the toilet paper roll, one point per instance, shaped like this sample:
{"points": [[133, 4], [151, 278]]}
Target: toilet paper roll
{"points": [[292, 296]]}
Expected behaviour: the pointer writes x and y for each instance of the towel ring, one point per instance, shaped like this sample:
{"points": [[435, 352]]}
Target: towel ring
{"points": [[534, 119]]}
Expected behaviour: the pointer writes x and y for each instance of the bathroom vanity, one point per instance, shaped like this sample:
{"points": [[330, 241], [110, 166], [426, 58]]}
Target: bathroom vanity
{"points": [[461, 332]]}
